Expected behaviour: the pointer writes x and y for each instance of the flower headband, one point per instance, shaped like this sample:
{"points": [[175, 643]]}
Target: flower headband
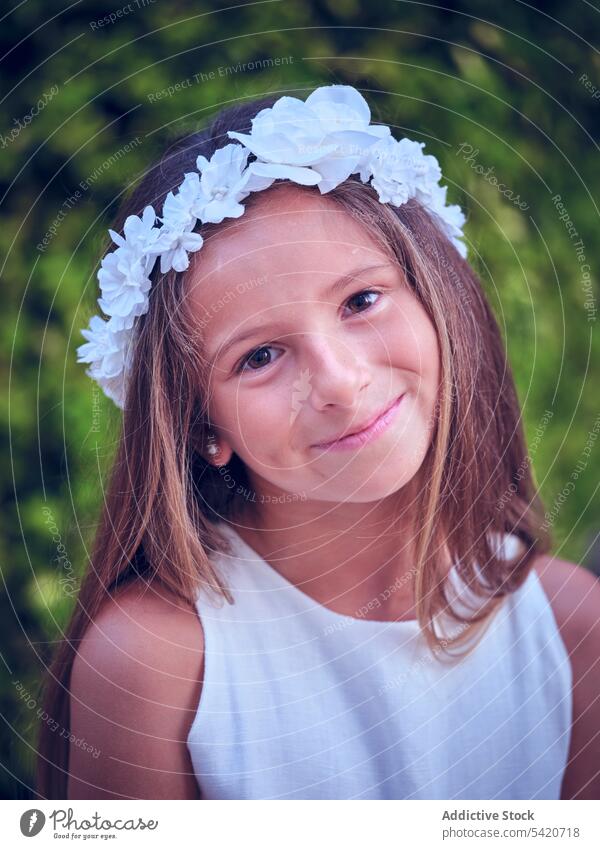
{"points": [[317, 142]]}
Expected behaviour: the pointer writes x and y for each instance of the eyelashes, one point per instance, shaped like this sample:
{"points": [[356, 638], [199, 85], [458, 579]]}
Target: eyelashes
{"points": [[240, 367]]}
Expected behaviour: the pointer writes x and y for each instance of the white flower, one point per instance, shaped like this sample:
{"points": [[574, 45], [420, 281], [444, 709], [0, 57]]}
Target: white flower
{"points": [[400, 170], [181, 212], [104, 348], [139, 232], [392, 175], [288, 133], [451, 217], [263, 174], [109, 353], [342, 108], [223, 183], [124, 273], [124, 309], [318, 142], [182, 209], [96, 334], [346, 119], [113, 387], [124, 282]]}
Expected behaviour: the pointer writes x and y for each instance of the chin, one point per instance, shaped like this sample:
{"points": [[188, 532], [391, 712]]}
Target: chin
{"points": [[349, 491]]}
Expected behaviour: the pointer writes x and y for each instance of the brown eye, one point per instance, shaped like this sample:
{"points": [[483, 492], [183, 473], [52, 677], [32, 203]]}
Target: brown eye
{"points": [[251, 358], [360, 295]]}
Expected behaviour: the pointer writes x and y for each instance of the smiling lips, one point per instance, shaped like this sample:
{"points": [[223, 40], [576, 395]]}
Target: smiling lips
{"points": [[371, 430]]}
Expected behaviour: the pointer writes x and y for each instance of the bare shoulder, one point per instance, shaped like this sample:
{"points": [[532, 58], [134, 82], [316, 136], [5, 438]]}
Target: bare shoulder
{"points": [[135, 687], [574, 595]]}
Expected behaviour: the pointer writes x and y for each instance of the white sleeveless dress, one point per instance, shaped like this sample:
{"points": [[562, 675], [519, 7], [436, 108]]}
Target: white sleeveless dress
{"points": [[300, 702]]}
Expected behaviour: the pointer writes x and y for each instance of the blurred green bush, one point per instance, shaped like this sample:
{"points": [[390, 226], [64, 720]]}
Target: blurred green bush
{"points": [[513, 98]]}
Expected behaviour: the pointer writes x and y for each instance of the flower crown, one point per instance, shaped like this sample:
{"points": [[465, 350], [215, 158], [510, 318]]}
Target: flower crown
{"points": [[317, 142]]}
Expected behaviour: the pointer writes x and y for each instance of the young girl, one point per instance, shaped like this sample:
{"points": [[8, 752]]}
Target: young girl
{"points": [[321, 569]]}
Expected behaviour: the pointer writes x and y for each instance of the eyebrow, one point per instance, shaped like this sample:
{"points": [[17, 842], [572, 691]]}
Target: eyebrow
{"points": [[336, 287]]}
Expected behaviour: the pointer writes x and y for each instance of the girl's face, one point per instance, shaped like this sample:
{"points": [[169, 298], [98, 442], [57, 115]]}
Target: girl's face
{"points": [[311, 331]]}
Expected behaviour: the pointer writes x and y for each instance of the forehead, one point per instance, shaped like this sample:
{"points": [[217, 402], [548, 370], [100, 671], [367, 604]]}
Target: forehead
{"points": [[290, 241]]}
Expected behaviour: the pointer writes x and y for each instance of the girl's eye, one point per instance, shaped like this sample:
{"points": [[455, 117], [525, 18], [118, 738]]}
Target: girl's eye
{"points": [[362, 294], [250, 358]]}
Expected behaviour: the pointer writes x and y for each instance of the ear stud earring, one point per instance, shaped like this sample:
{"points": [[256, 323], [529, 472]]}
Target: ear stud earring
{"points": [[212, 448]]}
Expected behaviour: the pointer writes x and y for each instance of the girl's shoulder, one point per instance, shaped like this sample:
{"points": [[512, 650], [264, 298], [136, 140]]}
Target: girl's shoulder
{"points": [[150, 621], [140, 627], [574, 596], [135, 686]]}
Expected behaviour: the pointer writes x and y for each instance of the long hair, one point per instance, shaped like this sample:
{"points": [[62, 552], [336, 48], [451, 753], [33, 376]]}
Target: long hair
{"points": [[162, 498]]}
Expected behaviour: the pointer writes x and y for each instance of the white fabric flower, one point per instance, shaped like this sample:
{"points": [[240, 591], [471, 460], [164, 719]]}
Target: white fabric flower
{"points": [[317, 142], [181, 210], [109, 352], [139, 232], [180, 215], [124, 282], [451, 217], [287, 139], [175, 245], [223, 183], [124, 274], [328, 135], [342, 108], [346, 119], [113, 387], [104, 348], [399, 170]]}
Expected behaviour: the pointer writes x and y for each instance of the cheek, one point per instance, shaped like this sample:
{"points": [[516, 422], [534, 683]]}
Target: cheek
{"points": [[416, 354], [247, 424], [429, 354], [411, 344]]}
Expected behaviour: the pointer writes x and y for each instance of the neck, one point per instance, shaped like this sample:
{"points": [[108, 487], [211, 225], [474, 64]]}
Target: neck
{"points": [[356, 559]]}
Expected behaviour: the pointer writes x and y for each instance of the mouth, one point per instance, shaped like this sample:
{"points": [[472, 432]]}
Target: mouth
{"points": [[370, 431]]}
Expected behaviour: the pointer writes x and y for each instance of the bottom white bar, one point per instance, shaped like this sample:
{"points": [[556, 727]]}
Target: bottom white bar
{"points": [[304, 824]]}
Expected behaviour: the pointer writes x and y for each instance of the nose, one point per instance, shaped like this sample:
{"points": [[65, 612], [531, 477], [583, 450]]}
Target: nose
{"points": [[337, 373]]}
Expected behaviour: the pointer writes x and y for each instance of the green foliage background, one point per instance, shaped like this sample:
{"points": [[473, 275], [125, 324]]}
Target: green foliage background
{"points": [[506, 80]]}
